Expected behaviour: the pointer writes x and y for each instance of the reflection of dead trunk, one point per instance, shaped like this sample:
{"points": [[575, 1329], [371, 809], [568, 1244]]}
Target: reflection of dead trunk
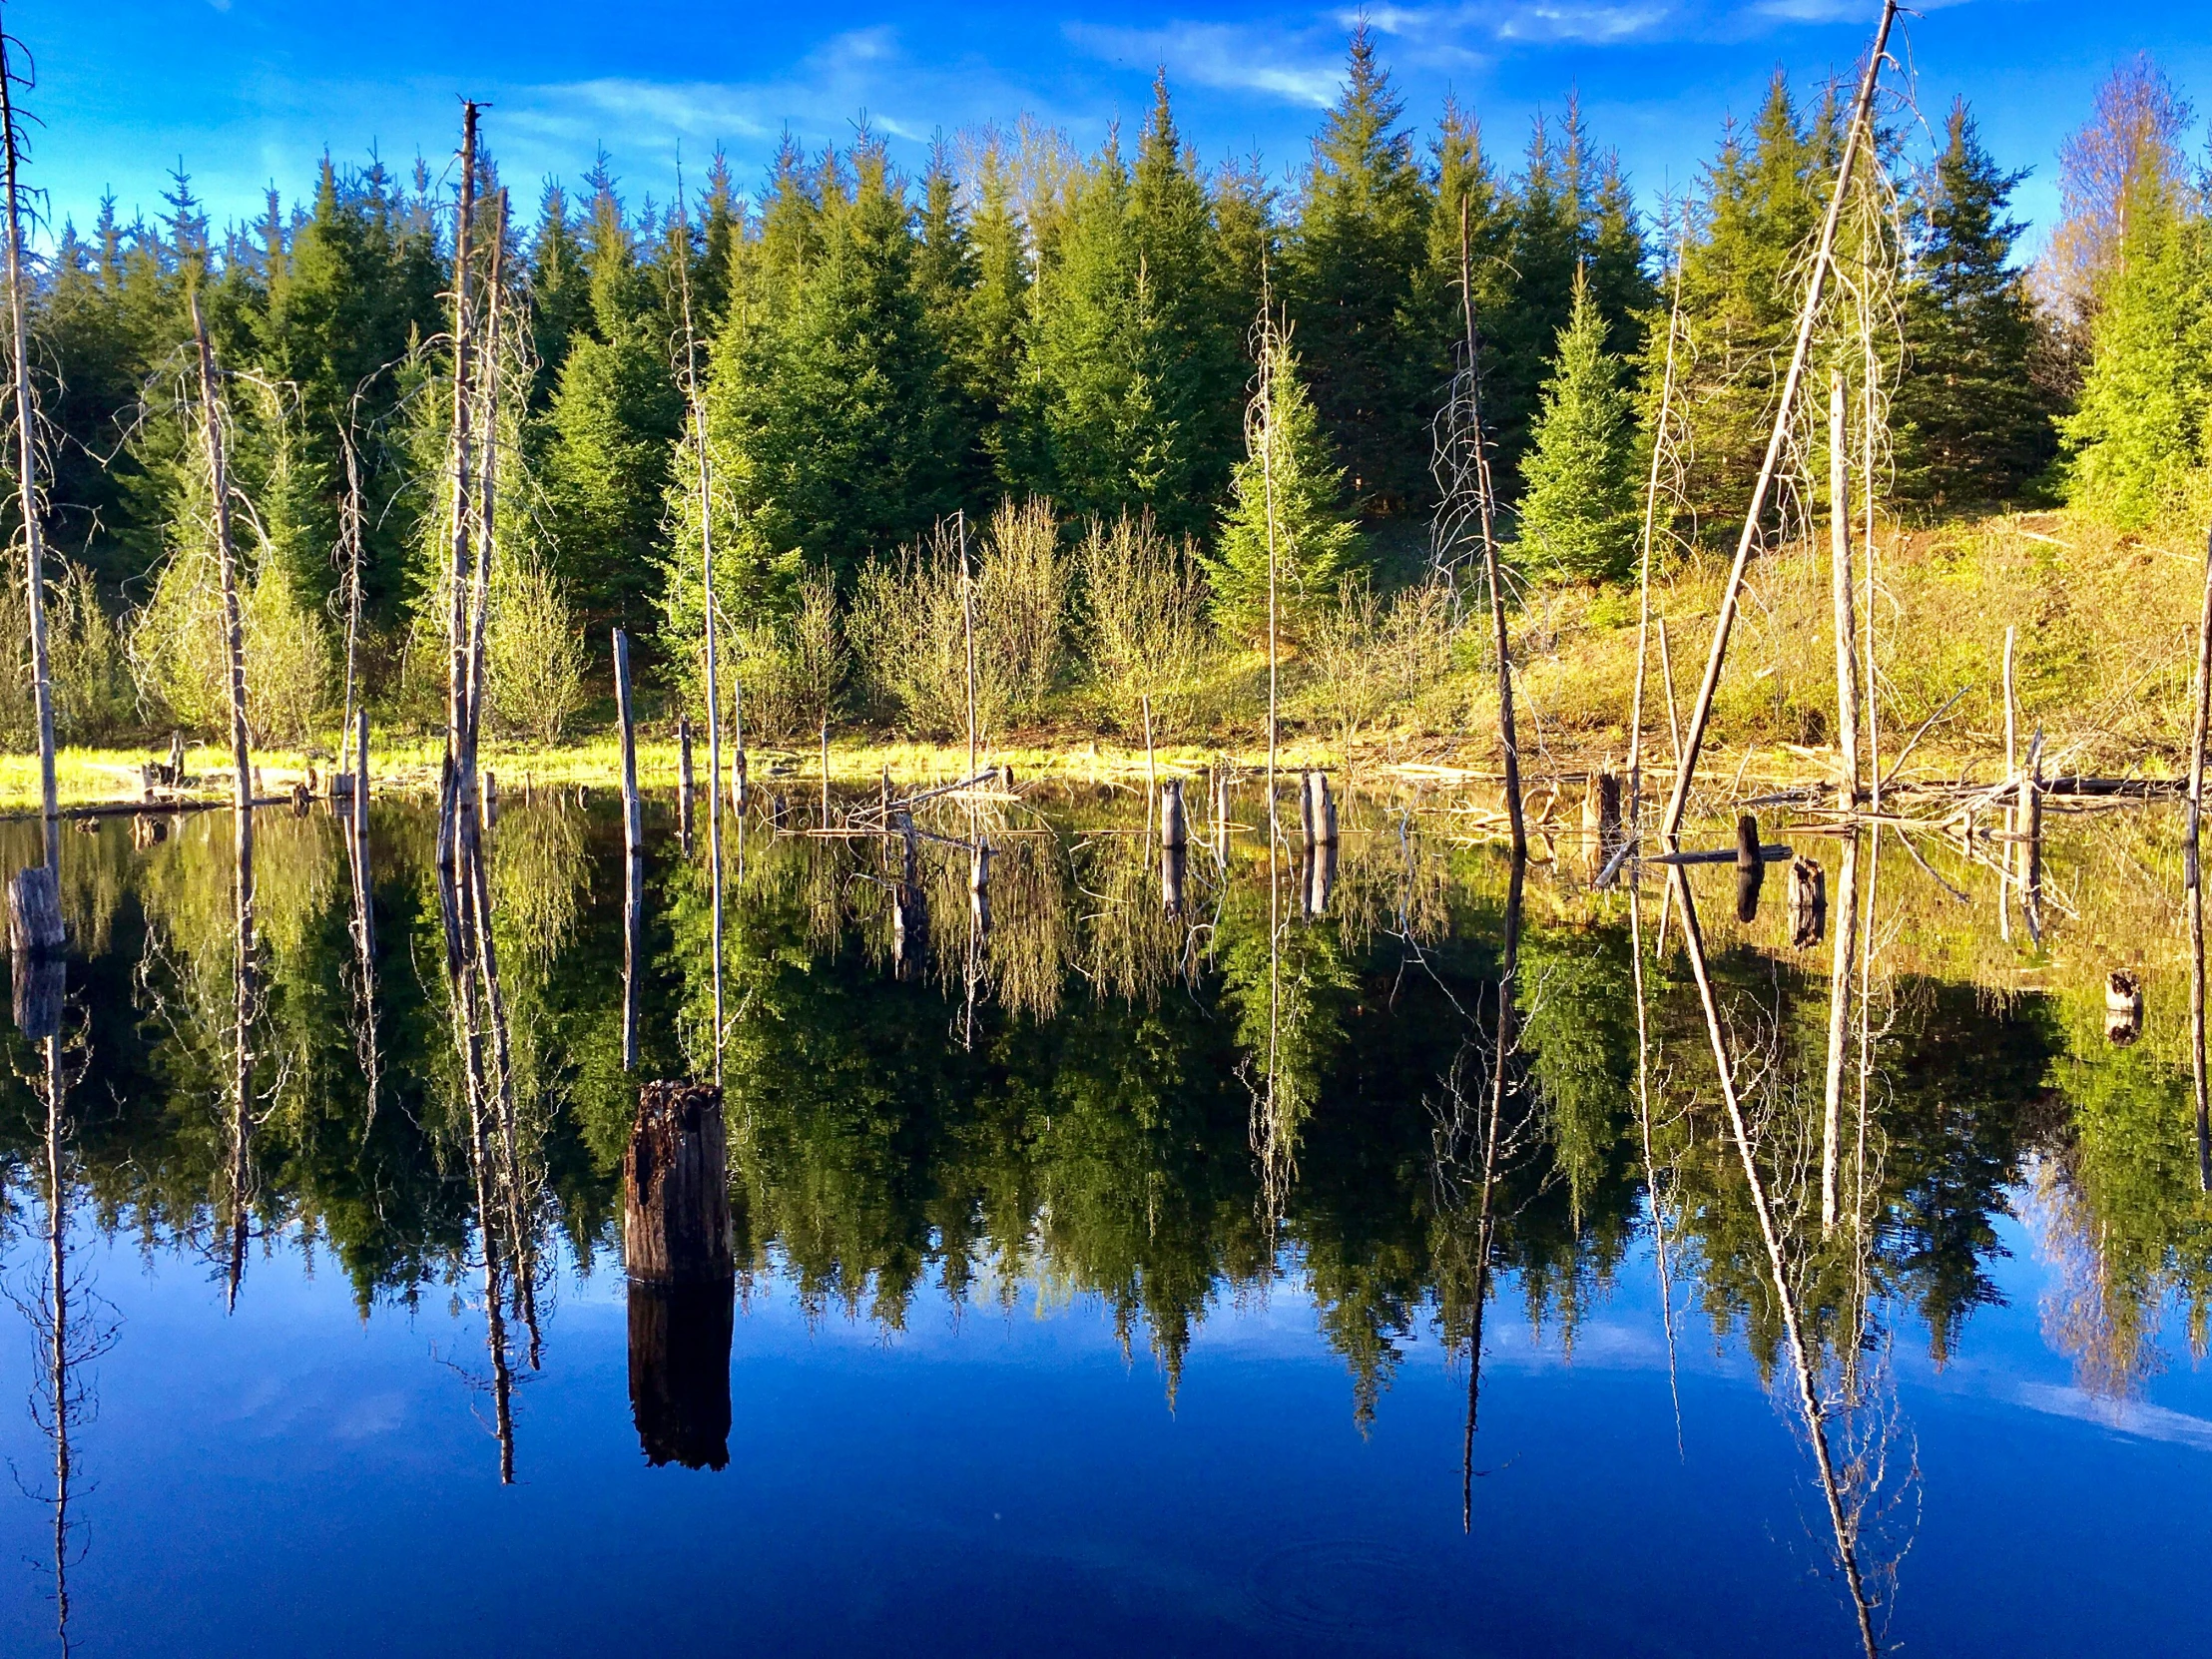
{"points": [[1840, 1523], [2192, 879], [1839, 1026], [679, 1339], [1321, 879], [909, 906], [1601, 816], [1174, 866], [365, 917], [1750, 868], [633, 862], [677, 1246], [36, 941], [1652, 1170]]}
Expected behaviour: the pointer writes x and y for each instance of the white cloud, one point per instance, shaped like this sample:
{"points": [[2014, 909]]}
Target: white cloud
{"points": [[1288, 66]]}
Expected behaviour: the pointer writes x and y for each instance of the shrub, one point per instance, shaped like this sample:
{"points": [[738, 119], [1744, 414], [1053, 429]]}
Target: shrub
{"points": [[1145, 618]]}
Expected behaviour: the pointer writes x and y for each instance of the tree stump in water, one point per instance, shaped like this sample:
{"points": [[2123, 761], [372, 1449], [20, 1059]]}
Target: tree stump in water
{"points": [[1174, 826], [2123, 1008], [36, 939], [1318, 810], [677, 1247], [1808, 904], [1750, 869], [676, 1186], [1601, 816]]}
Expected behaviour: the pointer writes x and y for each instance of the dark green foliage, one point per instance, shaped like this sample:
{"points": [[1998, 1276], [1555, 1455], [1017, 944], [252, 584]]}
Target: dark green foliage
{"points": [[1972, 425], [1360, 236], [1579, 517]]}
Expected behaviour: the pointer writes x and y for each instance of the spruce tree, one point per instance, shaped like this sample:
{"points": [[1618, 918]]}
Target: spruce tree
{"points": [[1314, 544], [1761, 199], [1196, 358], [1971, 423], [1361, 236], [2137, 443], [608, 433], [998, 307], [1579, 517], [946, 280], [830, 395]]}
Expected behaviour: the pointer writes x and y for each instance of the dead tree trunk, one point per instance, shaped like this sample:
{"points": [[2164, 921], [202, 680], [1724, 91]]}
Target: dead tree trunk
{"points": [[1509, 736], [458, 568], [26, 451], [1750, 868]]}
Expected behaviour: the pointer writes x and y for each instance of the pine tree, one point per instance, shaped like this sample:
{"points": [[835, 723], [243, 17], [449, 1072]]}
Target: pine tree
{"points": [[1312, 541], [1196, 358], [1101, 419], [828, 391], [945, 280], [1579, 518], [998, 307], [609, 432], [1971, 425], [1361, 234], [2137, 443]]}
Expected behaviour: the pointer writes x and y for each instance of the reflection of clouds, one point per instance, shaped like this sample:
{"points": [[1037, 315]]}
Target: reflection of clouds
{"points": [[2126, 1416]]}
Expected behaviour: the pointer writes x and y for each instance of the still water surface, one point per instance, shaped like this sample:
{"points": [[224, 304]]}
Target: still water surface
{"points": [[1109, 1277]]}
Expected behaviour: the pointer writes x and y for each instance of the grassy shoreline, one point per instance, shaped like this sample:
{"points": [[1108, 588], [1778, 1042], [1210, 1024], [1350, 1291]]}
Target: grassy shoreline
{"points": [[2105, 624]]}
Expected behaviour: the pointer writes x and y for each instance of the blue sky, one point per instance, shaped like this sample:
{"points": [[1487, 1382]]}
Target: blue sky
{"points": [[249, 92]]}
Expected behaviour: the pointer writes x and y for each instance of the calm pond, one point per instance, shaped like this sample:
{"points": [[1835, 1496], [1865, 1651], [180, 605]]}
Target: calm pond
{"points": [[1107, 1273]]}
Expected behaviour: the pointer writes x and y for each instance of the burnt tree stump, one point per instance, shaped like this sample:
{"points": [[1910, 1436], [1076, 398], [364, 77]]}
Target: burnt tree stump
{"points": [[676, 1186]]}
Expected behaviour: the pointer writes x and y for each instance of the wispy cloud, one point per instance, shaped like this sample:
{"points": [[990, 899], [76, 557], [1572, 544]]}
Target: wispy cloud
{"points": [[1292, 68]]}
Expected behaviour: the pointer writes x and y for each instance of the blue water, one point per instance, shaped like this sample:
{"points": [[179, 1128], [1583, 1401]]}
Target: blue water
{"points": [[290, 1478]]}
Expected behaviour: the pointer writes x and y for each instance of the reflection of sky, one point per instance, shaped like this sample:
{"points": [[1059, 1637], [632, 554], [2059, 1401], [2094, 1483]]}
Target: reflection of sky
{"points": [[291, 1479]]}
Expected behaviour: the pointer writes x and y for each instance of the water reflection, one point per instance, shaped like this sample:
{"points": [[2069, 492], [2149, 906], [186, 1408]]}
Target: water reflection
{"points": [[1399, 1070]]}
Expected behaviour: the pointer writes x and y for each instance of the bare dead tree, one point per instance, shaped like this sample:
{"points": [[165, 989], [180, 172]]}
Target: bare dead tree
{"points": [[26, 453], [462, 458], [1468, 507]]}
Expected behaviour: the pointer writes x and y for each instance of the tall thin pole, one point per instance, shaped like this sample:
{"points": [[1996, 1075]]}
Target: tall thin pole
{"points": [[464, 397], [479, 606], [1701, 711], [26, 439], [967, 629], [1509, 738], [698, 414]]}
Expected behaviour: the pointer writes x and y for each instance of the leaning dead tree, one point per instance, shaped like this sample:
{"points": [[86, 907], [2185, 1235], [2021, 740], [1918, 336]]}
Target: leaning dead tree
{"points": [[26, 450], [1461, 466], [1857, 135]]}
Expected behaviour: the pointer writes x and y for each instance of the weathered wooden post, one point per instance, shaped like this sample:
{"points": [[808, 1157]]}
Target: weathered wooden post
{"points": [[679, 1253], [1601, 816], [1808, 901], [2123, 1008], [1174, 822], [1321, 812], [36, 941], [1750, 869]]}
